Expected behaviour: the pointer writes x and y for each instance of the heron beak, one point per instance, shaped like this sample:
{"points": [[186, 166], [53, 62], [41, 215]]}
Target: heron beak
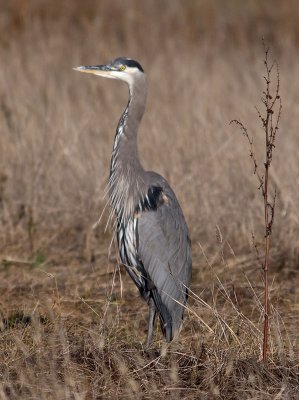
{"points": [[102, 70]]}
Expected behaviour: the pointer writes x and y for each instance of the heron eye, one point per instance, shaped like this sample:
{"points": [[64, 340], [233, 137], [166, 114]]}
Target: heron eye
{"points": [[122, 67]]}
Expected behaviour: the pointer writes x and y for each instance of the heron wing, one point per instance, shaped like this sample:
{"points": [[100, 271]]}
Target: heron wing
{"points": [[164, 250]]}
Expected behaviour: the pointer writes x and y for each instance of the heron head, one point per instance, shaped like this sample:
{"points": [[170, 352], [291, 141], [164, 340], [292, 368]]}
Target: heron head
{"points": [[124, 69]]}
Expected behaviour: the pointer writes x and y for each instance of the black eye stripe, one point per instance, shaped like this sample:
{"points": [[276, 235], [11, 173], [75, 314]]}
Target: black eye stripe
{"points": [[133, 64], [128, 62]]}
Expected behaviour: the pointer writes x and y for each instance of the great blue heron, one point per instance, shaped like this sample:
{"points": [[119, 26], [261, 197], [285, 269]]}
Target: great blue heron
{"points": [[152, 234]]}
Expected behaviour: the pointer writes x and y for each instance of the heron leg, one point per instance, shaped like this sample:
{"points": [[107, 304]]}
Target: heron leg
{"points": [[151, 321]]}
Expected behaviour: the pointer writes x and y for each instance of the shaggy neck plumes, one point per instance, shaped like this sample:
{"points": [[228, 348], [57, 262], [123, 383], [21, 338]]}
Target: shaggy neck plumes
{"points": [[127, 176]]}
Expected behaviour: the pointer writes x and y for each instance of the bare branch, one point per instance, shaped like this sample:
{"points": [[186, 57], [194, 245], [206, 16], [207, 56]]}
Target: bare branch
{"points": [[270, 124], [250, 141]]}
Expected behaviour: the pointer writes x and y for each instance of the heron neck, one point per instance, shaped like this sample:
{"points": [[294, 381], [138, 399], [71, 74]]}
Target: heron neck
{"points": [[125, 143], [127, 176], [135, 108]]}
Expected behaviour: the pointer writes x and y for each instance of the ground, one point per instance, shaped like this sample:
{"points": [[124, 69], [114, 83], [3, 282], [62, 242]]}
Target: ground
{"points": [[74, 331]]}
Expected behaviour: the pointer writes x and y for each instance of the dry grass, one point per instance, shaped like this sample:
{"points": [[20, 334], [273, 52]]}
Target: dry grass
{"points": [[70, 328]]}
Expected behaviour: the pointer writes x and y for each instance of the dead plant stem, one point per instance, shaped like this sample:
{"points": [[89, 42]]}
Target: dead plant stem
{"points": [[272, 103]]}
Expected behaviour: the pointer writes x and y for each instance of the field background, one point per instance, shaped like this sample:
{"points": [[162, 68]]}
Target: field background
{"points": [[73, 325]]}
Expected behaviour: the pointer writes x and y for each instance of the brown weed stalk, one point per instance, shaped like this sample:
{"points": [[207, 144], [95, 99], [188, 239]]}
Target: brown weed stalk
{"points": [[271, 101]]}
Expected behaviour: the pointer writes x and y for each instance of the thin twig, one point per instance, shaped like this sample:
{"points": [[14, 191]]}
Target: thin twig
{"points": [[270, 125]]}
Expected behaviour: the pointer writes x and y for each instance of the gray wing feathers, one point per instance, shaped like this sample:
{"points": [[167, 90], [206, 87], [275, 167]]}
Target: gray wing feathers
{"points": [[164, 249]]}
